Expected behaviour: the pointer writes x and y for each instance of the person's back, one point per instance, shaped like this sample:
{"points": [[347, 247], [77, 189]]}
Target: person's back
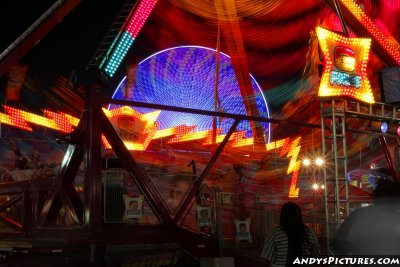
{"points": [[290, 240], [373, 230]]}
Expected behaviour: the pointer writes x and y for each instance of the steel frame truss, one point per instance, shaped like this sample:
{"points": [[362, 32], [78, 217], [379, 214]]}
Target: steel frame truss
{"points": [[334, 112]]}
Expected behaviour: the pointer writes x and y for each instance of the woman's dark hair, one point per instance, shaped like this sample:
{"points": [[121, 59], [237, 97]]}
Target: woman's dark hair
{"points": [[292, 222], [386, 191]]}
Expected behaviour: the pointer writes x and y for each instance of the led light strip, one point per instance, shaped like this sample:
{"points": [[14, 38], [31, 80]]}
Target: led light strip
{"points": [[378, 35], [292, 150], [111, 63], [65, 123]]}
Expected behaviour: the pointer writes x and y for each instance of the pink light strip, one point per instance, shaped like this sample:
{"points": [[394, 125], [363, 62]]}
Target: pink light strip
{"points": [[140, 16]]}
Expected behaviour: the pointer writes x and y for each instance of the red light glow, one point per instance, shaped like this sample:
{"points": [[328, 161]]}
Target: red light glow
{"points": [[147, 128]]}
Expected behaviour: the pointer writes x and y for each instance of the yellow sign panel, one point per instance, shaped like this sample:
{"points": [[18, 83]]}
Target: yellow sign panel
{"points": [[345, 66]]}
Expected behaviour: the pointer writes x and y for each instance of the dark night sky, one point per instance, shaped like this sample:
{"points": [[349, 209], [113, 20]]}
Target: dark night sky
{"points": [[69, 45]]}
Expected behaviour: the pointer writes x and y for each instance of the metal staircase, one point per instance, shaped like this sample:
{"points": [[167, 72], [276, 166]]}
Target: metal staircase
{"points": [[113, 33]]}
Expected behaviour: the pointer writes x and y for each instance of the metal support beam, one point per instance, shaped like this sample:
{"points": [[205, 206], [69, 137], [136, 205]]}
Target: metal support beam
{"points": [[27, 214], [156, 201], [241, 117], [334, 149], [229, 22], [361, 30], [69, 168], [196, 185], [35, 33], [92, 128], [389, 160], [339, 13]]}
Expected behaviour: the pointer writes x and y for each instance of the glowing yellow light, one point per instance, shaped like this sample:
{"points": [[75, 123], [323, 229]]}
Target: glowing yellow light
{"points": [[348, 63], [319, 161], [276, 144], [293, 189], [345, 66], [306, 162], [294, 153]]}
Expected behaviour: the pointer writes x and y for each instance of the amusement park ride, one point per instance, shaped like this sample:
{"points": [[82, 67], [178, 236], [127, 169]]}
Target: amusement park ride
{"points": [[42, 201]]}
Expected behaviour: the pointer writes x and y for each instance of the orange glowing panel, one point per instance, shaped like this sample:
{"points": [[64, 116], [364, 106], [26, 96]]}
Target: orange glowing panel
{"points": [[134, 128], [20, 119], [210, 137], [276, 144], [345, 69], [164, 133], [292, 150], [183, 133], [285, 148], [294, 166], [239, 140], [387, 42], [293, 189], [137, 130], [105, 142], [15, 119], [62, 122]]}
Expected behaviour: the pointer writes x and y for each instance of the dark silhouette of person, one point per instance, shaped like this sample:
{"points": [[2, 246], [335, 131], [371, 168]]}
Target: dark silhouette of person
{"points": [[372, 230], [291, 239]]}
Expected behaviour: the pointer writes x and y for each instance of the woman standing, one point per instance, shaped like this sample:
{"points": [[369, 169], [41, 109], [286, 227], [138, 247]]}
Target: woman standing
{"points": [[291, 239]]}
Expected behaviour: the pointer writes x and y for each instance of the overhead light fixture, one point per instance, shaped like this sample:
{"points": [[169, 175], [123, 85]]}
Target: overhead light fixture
{"points": [[384, 127], [319, 161], [306, 162]]}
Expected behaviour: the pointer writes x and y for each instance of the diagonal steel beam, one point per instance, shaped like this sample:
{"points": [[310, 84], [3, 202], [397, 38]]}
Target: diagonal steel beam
{"points": [[35, 33], [11, 223], [69, 168], [389, 160], [156, 201], [384, 46], [10, 202], [27, 214], [229, 22], [196, 185], [68, 198], [92, 127], [286, 122]]}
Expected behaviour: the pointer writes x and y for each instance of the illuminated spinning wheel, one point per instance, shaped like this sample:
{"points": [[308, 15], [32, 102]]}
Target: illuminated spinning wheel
{"points": [[185, 77]]}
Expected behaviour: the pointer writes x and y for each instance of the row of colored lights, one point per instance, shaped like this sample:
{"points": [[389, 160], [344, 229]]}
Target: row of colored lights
{"points": [[57, 121], [378, 35], [111, 63], [385, 128]]}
